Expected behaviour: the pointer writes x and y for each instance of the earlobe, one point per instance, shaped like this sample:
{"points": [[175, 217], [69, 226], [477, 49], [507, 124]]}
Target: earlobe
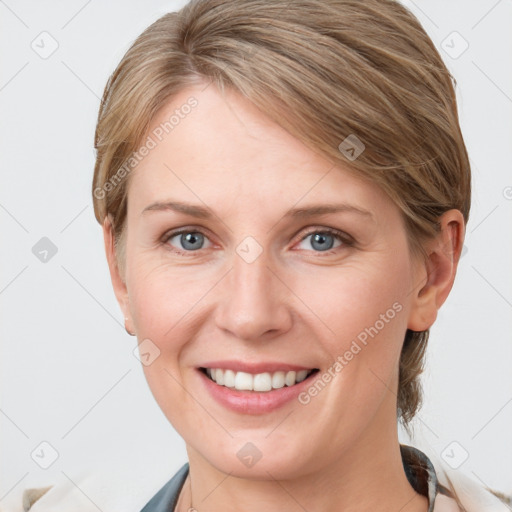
{"points": [[118, 282], [435, 276]]}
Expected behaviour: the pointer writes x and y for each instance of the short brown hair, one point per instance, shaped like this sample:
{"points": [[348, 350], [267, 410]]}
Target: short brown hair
{"points": [[324, 70]]}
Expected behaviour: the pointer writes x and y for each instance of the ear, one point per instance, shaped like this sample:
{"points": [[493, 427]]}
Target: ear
{"points": [[118, 282], [434, 278]]}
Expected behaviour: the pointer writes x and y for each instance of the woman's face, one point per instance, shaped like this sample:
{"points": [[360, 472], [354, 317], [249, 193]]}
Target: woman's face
{"points": [[256, 283]]}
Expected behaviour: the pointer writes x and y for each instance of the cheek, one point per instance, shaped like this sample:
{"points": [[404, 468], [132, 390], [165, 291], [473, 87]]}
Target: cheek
{"points": [[163, 297], [162, 307], [360, 310]]}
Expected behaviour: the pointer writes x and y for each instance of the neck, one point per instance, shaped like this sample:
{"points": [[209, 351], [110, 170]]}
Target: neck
{"points": [[367, 476]]}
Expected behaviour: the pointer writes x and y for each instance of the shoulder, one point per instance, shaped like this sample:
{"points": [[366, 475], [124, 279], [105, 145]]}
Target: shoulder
{"points": [[31, 495], [444, 503], [22, 500], [472, 495], [78, 493], [449, 490], [107, 489]]}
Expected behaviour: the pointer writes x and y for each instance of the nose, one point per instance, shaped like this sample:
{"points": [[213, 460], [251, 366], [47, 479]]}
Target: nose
{"points": [[254, 302]]}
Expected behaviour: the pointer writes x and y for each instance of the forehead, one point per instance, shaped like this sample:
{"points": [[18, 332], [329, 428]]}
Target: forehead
{"points": [[215, 147]]}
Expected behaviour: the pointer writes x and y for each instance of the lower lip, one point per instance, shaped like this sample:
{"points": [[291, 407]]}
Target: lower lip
{"points": [[254, 402]]}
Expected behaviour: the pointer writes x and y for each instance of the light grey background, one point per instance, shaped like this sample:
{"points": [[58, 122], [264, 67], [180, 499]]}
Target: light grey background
{"points": [[69, 376]]}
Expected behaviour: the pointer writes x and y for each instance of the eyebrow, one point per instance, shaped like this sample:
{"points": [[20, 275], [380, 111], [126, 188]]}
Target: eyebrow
{"points": [[301, 213]]}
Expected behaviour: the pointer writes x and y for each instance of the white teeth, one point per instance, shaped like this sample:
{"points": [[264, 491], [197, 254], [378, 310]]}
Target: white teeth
{"points": [[262, 382], [229, 378], [219, 376], [266, 381], [278, 380], [290, 378], [301, 375], [243, 381]]}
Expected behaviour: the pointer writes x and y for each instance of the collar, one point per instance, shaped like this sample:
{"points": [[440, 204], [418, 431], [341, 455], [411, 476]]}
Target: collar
{"points": [[417, 466], [421, 474]]}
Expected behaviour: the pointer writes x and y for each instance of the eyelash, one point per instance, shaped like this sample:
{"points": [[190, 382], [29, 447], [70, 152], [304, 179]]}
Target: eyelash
{"points": [[346, 240]]}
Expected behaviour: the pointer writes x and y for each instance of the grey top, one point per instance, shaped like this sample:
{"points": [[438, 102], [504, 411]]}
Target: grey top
{"points": [[418, 468]]}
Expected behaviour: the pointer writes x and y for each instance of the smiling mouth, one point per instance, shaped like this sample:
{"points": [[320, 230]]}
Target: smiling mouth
{"points": [[261, 382]]}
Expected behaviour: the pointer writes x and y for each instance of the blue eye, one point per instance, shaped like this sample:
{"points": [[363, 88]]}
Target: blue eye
{"points": [[322, 239], [192, 240]]}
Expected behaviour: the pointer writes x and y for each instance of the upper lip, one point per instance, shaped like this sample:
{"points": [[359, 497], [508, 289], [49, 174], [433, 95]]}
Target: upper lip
{"points": [[255, 368]]}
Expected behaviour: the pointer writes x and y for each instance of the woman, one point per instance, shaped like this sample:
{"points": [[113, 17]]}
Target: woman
{"points": [[283, 189]]}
